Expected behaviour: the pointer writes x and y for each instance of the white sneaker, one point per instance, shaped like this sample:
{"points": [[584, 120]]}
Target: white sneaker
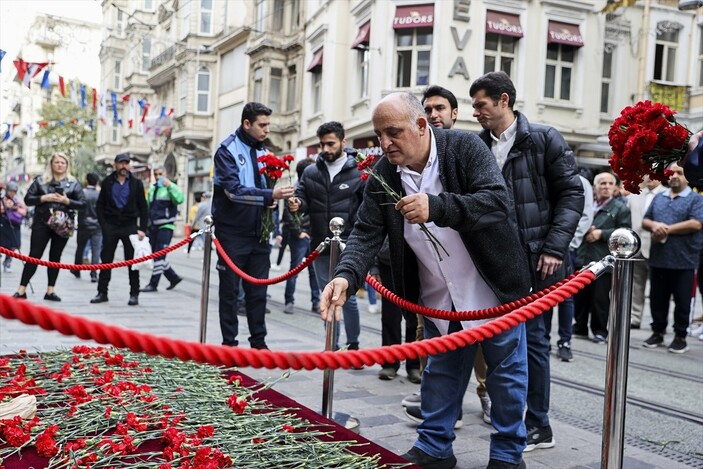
{"points": [[276, 268], [486, 408], [697, 331], [373, 309]]}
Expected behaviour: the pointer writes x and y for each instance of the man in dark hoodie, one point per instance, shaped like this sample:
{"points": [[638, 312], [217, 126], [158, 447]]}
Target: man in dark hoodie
{"points": [[240, 197]]}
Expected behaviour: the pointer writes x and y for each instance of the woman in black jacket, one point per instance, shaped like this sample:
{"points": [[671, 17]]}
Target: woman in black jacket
{"points": [[56, 190]]}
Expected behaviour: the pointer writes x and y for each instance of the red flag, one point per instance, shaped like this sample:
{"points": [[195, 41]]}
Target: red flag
{"points": [[28, 70], [62, 86], [95, 99], [170, 112], [146, 110], [125, 98]]}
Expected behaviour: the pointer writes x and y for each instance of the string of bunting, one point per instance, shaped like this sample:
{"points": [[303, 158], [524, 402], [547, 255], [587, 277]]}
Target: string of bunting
{"points": [[107, 105]]}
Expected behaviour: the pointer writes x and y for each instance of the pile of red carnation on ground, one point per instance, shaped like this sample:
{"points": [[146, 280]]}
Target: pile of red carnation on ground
{"points": [[645, 139], [93, 407]]}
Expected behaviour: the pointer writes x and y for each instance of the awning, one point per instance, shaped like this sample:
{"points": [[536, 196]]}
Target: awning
{"points": [[503, 23], [564, 33], [362, 37], [414, 16], [316, 62]]}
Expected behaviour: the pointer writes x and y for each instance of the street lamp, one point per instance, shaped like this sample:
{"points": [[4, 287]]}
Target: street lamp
{"points": [[688, 5]]}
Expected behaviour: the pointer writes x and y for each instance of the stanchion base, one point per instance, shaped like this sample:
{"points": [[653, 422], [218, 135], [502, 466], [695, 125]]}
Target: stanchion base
{"points": [[347, 421]]}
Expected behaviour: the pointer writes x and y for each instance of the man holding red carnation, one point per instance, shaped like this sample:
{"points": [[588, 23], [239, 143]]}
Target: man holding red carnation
{"points": [[240, 199]]}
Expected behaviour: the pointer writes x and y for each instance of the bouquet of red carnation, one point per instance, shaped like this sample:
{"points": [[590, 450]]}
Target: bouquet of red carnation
{"points": [[272, 170], [365, 165], [645, 139]]}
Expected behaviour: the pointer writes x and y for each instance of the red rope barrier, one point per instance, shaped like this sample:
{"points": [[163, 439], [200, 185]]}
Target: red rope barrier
{"points": [[28, 313], [465, 315], [264, 281], [59, 265]]}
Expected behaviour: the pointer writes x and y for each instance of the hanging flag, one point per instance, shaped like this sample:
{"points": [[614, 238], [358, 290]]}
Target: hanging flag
{"points": [[2, 54], [28, 70], [125, 98], [74, 93], [613, 5], [163, 112], [45, 80], [62, 86], [82, 96], [95, 99], [146, 110], [132, 113], [7, 133], [113, 96], [102, 109], [170, 112]]}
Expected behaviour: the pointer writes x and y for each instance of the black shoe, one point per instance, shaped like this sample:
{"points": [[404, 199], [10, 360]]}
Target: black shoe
{"points": [[539, 438], [564, 352], [261, 346], [149, 289], [498, 464], [599, 339], [654, 341], [424, 460], [22, 296], [387, 374], [315, 307], [678, 345], [242, 311], [414, 376], [76, 273], [174, 283], [99, 298], [93, 277], [133, 300], [268, 310], [52, 297], [634, 326]]}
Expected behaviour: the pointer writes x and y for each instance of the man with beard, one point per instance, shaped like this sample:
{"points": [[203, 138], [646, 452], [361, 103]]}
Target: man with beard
{"points": [[544, 187], [332, 187], [120, 205], [240, 198], [674, 218]]}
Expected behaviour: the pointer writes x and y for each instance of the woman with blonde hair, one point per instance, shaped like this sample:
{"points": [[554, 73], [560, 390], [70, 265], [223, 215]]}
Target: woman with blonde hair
{"points": [[57, 196]]}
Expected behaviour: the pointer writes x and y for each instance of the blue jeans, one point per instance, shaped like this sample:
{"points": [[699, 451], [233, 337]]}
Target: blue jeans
{"points": [[352, 324], [566, 310], [299, 248], [371, 293], [444, 383], [253, 258]]}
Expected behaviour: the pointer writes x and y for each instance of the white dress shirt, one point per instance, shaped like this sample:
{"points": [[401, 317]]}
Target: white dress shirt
{"points": [[453, 282], [501, 145]]}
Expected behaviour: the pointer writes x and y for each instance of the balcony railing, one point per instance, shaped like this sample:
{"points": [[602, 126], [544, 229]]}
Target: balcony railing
{"points": [[163, 57]]}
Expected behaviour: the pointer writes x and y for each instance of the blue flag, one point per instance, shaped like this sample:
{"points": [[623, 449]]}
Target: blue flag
{"points": [[82, 96], [2, 54], [113, 96], [45, 80], [7, 133]]}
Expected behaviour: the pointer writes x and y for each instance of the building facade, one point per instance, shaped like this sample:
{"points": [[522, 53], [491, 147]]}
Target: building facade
{"points": [[314, 61]]}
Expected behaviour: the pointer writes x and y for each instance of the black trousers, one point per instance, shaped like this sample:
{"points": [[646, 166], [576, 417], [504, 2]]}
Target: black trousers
{"points": [[594, 299], [41, 235], [112, 234], [391, 318], [665, 283]]}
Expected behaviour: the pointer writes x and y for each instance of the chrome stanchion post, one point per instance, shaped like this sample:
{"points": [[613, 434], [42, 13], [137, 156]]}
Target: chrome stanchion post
{"points": [[623, 244], [336, 227], [205, 287]]}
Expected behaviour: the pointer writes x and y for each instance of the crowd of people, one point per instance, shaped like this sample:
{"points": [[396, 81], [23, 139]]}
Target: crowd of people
{"points": [[509, 206]]}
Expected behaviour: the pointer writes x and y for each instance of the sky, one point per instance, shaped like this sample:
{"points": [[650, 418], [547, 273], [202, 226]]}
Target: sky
{"points": [[16, 16]]}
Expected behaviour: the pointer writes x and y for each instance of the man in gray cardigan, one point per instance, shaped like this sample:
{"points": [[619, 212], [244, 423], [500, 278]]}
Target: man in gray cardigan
{"points": [[449, 181]]}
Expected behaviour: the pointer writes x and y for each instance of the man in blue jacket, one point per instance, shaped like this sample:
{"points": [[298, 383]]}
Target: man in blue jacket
{"points": [[240, 197]]}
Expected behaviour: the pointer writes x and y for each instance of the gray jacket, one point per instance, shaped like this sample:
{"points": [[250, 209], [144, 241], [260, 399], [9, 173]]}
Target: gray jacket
{"points": [[475, 203]]}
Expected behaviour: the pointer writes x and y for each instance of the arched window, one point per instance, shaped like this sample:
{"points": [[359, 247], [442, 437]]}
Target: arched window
{"points": [[203, 96]]}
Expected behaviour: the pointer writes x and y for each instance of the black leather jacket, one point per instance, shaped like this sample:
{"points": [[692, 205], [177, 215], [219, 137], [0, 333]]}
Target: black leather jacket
{"points": [[72, 188]]}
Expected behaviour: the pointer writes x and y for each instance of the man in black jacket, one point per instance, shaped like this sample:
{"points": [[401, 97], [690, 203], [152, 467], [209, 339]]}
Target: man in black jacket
{"points": [[332, 187], [540, 172], [450, 182], [121, 204], [89, 227]]}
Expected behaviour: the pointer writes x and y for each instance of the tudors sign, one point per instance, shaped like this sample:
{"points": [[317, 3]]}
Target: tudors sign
{"points": [[414, 16]]}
